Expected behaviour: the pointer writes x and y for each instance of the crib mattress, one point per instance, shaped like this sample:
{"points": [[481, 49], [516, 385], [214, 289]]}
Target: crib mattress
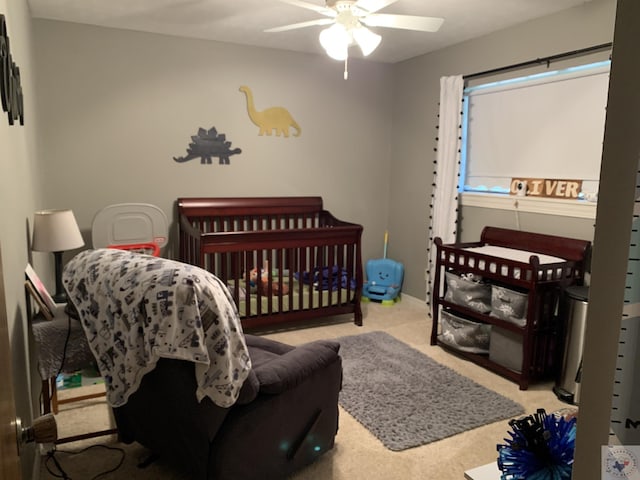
{"points": [[310, 298]]}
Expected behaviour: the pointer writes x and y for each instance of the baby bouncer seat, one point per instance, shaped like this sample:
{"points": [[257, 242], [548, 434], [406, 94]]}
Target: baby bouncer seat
{"points": [[384, 280]]}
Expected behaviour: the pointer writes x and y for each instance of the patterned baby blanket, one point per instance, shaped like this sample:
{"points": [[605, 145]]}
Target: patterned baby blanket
{"points": [[138, 308]]}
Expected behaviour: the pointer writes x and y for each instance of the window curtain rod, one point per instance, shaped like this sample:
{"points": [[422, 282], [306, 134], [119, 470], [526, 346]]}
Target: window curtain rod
{"points": [[538, 61]]}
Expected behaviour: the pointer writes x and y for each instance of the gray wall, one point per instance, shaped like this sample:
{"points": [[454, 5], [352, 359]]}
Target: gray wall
{"points": [[416, 96], [474, 219], [117, 106]]}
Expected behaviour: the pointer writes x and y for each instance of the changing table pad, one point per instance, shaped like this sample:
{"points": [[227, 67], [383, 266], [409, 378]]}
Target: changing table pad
{"points": [[514, 254], [138, 308], [510, 254]]}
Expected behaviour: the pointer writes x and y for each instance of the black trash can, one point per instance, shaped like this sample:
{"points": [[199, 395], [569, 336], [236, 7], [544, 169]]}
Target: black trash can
{"points": [[574, 316]]}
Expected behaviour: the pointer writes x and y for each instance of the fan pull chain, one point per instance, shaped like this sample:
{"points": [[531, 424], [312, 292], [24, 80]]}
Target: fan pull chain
{"points": [[346, 73]]}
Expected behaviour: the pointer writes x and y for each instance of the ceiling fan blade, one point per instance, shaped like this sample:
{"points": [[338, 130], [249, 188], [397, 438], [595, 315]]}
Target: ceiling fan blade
{"points": [[310, 6], [374, 5], [293, 26], [406, 22]]}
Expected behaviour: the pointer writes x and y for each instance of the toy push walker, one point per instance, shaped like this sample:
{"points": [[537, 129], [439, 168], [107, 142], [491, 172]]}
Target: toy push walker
{"points": [[384, 278]]}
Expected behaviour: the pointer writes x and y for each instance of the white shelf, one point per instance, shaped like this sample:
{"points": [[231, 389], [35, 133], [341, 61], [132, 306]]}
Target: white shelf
{"points": [[485, 472]]}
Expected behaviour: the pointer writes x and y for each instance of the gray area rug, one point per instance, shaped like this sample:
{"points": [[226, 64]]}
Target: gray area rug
{"points": [[406, 399]]}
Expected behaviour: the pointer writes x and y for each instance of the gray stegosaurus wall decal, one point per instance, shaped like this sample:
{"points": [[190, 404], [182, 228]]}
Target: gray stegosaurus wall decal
{"points": [[208, 144]]}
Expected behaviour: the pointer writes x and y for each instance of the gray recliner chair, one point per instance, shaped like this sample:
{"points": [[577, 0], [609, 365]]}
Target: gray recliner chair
{"points": [[164, 334], [285, 418]]}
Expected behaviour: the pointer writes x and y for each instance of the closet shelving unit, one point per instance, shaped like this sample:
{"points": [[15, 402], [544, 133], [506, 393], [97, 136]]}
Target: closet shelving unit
{"points": [[543, 284]]}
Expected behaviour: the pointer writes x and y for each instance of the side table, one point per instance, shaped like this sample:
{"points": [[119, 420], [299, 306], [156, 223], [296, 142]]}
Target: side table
{"points": [[61, 347]]}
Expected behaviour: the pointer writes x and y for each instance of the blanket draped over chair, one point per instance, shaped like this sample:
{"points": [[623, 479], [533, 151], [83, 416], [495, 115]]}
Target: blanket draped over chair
{"points": [[136, 309]]}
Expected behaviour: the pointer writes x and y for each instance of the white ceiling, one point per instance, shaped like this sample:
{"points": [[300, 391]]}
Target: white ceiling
{"points": [[243, 21]]}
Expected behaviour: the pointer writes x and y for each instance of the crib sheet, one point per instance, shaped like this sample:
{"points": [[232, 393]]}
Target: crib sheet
{"points": [[515, 255], [300, 302]]}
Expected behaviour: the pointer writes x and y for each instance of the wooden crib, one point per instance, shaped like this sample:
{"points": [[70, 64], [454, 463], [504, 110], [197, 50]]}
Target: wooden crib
{"points": [[284, 259]]}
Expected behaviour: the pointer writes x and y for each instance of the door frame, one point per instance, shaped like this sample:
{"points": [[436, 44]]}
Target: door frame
{"points": [[9, 454]]}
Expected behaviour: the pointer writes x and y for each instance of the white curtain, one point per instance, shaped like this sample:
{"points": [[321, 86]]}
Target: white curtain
{"points": [[443, 218]]}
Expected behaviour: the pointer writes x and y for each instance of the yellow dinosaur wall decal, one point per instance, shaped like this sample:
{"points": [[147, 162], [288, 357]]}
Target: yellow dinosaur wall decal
{"points": [[272, 118]]}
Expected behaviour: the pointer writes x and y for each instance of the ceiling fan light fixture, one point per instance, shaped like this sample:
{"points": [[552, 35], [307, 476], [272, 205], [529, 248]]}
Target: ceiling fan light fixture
{"points": [[367, 40], [336, 40]]}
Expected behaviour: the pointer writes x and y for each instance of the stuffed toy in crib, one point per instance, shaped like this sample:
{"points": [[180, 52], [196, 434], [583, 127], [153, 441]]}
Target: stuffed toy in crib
{"points": [[261, 285]]}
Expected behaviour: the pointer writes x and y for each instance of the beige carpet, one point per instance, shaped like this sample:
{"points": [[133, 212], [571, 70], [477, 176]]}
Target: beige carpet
{"points": [[357, 453]]}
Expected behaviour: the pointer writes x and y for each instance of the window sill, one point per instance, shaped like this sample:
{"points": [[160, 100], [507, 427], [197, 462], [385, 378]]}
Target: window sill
{"points": [[547, 206]]}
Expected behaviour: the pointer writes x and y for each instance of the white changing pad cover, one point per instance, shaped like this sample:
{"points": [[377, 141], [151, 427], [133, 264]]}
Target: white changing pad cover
{"points": [[136, 309], [514, 254]]}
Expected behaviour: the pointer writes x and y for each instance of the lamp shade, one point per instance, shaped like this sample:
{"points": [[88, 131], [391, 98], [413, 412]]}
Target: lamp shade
{"points": [[336, 40], [366, 39], [55, 231]]}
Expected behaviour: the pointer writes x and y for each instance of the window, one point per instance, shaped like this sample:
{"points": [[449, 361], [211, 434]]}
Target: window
{"points": [[549, 125]]}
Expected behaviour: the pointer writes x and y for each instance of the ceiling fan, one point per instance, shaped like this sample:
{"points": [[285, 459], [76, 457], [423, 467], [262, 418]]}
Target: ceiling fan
{"points": [[348, 19]]}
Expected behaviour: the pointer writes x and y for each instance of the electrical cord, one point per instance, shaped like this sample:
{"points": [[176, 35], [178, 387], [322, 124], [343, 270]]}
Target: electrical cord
{"points": [[60, 473], [64, 353], [64, 349]]}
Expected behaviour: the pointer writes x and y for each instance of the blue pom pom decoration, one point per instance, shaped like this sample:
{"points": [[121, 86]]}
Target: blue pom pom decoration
{"points": [[540, 447]]}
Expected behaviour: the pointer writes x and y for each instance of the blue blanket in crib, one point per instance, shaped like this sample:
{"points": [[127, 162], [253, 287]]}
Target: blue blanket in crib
{"points": [[327, 278]]}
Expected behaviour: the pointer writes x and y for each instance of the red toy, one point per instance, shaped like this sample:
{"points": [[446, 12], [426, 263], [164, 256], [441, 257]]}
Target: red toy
{"points": [[262, 285]]}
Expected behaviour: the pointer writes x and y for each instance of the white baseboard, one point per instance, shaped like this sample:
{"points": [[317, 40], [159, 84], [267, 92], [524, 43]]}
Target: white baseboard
{"points": [[41, 451], [37, 462], [413, 300]]}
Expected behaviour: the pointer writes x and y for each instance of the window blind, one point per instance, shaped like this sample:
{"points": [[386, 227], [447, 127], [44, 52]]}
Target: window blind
{"points": [[549, 125]]}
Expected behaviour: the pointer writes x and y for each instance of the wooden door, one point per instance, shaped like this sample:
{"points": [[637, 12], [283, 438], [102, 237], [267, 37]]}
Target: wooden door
{"points": [[9, 460]]}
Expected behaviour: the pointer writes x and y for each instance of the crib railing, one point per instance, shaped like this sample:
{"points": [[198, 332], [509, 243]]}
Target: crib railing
{"points": [[280, 263]]}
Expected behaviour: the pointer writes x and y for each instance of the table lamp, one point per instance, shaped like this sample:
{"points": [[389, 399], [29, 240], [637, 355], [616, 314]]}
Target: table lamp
{"points": [[56, 231]]}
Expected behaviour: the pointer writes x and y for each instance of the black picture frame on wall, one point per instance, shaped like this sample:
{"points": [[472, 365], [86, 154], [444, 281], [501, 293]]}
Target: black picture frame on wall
{"points": [[11, 95], [4, 58]]}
